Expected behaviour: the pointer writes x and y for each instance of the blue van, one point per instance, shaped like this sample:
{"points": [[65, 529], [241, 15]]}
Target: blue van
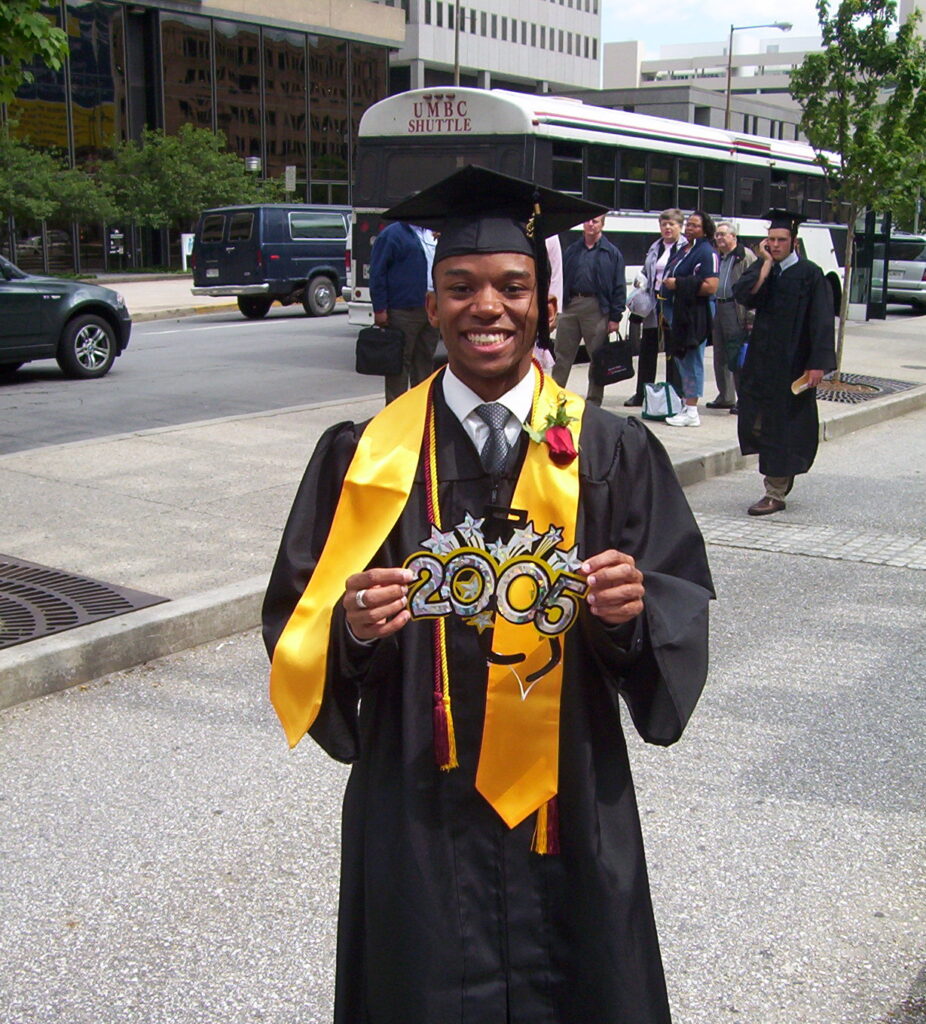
{"points": [[272, 252]]}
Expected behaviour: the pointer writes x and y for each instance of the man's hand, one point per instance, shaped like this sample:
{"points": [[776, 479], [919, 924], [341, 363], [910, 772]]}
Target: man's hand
{"points": [[381, 319], [615, 587], [763, 251], [669, 284], [613, 326], [380, 610], [814, 377]]}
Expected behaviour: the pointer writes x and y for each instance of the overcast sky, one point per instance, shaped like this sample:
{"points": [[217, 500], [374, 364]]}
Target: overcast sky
{"points": [[700, 21]]}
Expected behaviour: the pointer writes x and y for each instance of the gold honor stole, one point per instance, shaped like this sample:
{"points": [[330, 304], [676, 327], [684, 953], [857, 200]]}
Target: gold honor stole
{"points": [[519, 757]]}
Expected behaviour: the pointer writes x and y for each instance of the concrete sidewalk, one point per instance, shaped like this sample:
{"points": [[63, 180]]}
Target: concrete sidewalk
{"points": [[193, 513]]}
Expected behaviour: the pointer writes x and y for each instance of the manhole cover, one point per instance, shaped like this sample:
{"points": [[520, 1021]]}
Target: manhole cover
{"points": [[37, 601], [856, 387]]}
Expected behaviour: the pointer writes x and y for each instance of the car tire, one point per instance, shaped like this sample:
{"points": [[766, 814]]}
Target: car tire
{"points": [[254, 307], [320, 296], [9, 368], [87, 347]]}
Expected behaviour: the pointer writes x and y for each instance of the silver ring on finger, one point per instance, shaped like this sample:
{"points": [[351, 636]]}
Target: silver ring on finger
{"points": [[361, 598]]}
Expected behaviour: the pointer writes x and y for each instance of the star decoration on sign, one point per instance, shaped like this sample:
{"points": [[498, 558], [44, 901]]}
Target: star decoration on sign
{"points": [[441, 543], [499, 551], [471, 531], [523, 539], [568, 561], [469, 589], [483, 621]]}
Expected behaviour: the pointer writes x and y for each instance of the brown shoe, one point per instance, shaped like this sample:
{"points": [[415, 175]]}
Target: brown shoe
{"points": [[766, 506]]}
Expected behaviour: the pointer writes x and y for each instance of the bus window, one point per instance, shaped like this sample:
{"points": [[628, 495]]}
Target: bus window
{"points": [[796, 193], [408, 170], [567, 167], [814, 198], [778, 191], [661, 185], [688, 196], [750, 195], [712, 186], [632, 195], [600, 176]]}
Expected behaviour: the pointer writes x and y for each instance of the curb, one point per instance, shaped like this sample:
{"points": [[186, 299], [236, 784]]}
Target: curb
{"points": [[54, 663], [182, 311]]}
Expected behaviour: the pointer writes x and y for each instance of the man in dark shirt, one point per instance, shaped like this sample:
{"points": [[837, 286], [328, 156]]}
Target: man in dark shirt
{"points": [[595, 294], [399, 281]]}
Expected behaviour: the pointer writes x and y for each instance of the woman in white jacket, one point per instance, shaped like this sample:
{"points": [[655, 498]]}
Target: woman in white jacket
{"points": [[670, 243]]}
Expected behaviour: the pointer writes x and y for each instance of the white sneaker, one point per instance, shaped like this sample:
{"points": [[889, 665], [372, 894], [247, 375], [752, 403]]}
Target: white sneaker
{"points": [[688, 417]]}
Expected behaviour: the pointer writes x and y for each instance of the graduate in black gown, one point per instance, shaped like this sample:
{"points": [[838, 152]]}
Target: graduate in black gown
{"points": [[792, 340], [455, 905]]}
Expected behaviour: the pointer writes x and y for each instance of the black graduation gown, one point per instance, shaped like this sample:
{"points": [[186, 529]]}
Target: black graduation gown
{"points": [[446, 916], [793, 332]]}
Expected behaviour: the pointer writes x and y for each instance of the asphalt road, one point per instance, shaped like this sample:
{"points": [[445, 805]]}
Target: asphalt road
{"points": [[197, 368], [180, 371], [165, 860]]}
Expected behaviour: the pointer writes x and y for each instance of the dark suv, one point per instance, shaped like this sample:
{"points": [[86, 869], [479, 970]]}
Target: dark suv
{"points": [[81, 325], [272, 251]]}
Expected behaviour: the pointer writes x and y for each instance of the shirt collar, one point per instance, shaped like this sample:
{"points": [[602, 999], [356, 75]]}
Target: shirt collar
{"points": [[463, 401], [788, 261]]}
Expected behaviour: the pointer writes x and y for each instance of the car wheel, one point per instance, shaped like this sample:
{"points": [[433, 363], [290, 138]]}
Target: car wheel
{"points": [[9, 368], [87, 347], [320, 296], [254, 307]]}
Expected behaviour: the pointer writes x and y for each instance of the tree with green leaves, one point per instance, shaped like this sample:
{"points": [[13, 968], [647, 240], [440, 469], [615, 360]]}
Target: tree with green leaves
{"points": [[37, 185], [166, 181], [864, 110], [26, 35]]}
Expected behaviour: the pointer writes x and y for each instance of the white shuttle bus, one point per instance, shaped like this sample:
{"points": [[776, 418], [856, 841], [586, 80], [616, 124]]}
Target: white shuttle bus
{"points": [[635, 164]]}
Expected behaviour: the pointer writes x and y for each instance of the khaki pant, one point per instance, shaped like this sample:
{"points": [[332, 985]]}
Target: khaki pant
{"points": [[778, 486], [580, 321], [418, 356]]}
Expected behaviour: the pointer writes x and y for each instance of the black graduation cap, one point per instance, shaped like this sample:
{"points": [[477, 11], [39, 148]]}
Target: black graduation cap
{"points": [[481, 211], [785, 219]]}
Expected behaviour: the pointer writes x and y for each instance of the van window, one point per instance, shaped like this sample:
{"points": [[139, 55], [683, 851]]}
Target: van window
{"points": [[316, 225], [213, 228], [240, 227], [911, 249]]}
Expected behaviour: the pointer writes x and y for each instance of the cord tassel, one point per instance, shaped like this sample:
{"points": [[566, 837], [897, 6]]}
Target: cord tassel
{"points": [[546, 829]]}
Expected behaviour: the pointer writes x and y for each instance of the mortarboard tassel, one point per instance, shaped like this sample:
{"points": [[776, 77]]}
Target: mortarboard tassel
{"points": [[546, 829]]}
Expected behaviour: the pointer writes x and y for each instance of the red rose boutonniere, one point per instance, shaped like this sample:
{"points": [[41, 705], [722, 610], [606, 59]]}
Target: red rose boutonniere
{"points": [[555, 434]]}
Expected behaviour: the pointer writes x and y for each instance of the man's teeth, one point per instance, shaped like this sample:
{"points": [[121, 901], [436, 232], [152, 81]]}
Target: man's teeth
{"points": [[485, 338]]}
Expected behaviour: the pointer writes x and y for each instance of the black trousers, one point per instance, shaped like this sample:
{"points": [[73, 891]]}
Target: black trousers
{"points": [[649, 356]]}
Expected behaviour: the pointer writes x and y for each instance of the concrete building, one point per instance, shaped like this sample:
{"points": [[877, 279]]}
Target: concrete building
{"points": [[759, 85], [526, 45]]}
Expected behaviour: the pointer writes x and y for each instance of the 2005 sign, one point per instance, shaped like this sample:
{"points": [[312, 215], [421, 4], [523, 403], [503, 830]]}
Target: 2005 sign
{"points": [[467, 582]]}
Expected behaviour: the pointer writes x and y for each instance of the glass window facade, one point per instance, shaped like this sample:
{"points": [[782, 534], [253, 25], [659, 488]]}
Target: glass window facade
{"points": [[237, 86]]}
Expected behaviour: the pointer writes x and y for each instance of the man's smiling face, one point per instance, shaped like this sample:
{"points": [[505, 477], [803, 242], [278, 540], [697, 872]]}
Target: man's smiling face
{"points": [[485, 305]]}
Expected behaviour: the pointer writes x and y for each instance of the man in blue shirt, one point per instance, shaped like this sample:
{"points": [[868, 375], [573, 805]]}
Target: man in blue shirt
{"points": [[595, 293], [400, 275]]}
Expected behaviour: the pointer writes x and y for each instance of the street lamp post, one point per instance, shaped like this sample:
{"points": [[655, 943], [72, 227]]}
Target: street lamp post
{"points": [[784, 26], [456, 43]]}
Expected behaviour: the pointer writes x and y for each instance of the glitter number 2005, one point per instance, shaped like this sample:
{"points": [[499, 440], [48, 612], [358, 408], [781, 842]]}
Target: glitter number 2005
{"points": [[467, 582]]}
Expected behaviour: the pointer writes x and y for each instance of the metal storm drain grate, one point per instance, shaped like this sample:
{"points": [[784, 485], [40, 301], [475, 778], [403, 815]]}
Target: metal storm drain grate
{"points": [[37, 601], [852, 388]]}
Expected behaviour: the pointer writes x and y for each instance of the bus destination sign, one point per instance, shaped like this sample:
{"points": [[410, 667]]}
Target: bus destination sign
{"points": [[439, 115]]}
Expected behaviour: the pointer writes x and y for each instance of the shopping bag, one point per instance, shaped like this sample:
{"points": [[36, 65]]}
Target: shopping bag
{"points": [[660, 401], [612, 361], [379, 351]]}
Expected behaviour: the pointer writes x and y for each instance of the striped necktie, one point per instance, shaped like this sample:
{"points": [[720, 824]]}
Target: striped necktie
{"points": [[494, 454]]}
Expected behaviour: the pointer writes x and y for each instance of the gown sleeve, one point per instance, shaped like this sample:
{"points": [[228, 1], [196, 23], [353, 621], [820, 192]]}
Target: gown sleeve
{"points": [[304, 536], [661, 666]]}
